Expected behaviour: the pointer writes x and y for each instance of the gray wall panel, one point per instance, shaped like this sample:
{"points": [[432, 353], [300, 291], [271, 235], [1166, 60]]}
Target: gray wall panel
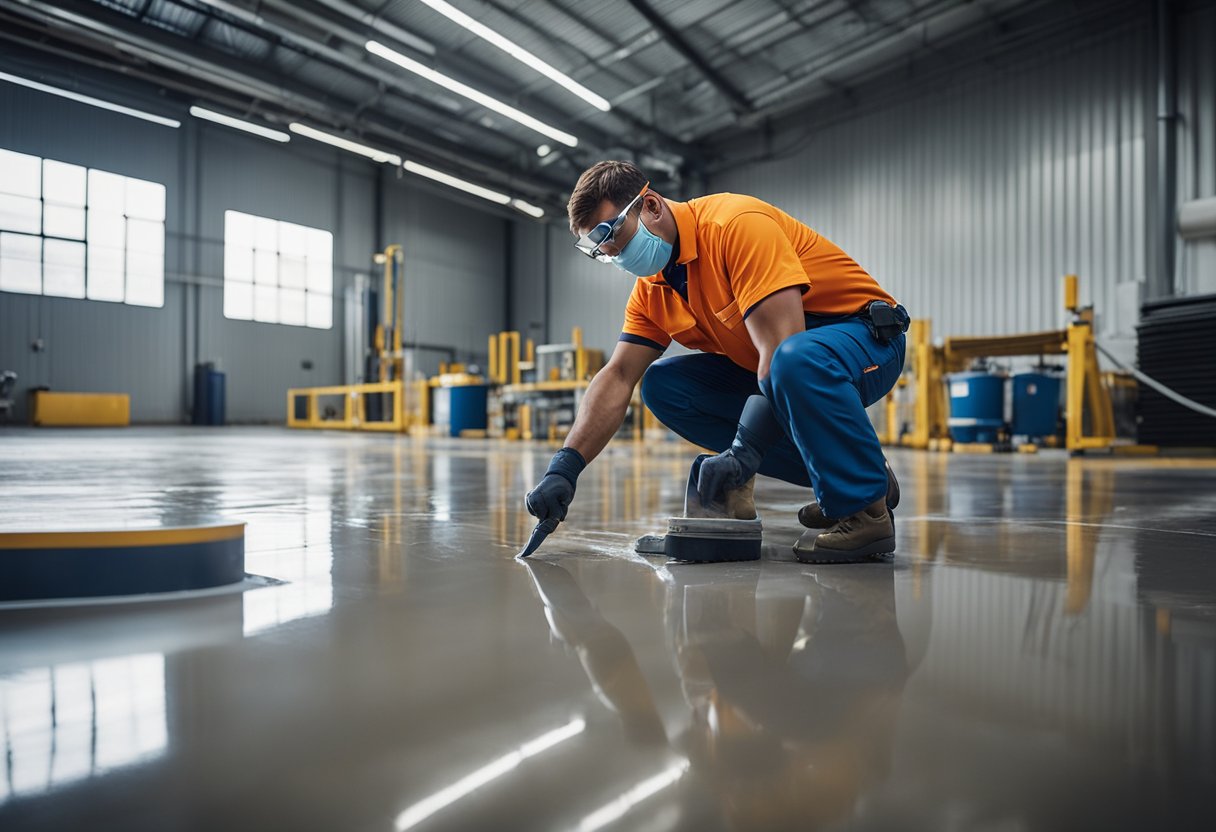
{"points": [[455, 268], [528, 265], [970, 201], [584, 293], [301, 186], [1197, 142], [970, 204], [93, 345]]}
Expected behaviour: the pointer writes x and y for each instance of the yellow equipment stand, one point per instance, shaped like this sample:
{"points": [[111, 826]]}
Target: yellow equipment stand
{"points": [[387, 339], [354, 409], [1086, 392]]}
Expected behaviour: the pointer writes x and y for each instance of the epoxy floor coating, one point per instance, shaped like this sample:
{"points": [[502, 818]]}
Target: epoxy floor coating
{"points": [[1041, 653]]}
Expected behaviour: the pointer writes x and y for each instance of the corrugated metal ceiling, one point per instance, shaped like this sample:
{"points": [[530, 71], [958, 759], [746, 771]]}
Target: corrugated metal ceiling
{"points": [[749, 45]]}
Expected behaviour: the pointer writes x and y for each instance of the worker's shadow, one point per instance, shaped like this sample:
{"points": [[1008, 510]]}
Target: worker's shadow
{"points": [[792, 686]]}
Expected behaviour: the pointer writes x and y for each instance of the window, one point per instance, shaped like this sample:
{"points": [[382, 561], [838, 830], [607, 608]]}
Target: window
{"points": [[75, 232], [277, 272]]}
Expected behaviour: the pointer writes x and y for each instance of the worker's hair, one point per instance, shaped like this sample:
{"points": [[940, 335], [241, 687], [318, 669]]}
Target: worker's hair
{"points": [[617, 182]]}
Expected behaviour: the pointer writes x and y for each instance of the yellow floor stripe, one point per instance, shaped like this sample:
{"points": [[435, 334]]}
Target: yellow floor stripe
{"points": [[121, 538]]}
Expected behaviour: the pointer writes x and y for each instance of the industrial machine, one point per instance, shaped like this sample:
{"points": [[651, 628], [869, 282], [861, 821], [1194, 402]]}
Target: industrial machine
{"points": [[537, 394], [1089, 423], [389, 403], [528, 391]]}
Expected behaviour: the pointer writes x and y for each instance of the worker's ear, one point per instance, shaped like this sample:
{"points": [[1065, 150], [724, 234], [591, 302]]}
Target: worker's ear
{"points": [[652, 207]]}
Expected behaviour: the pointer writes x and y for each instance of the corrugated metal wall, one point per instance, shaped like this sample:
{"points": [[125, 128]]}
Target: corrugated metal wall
{"points": [[970, 202], [972, 199], [585, 293], [1197, 142], [90, 345], [528, 264], [455, 268], [303, 186]]}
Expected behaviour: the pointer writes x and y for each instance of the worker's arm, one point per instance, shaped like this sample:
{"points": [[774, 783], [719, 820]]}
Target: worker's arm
{"points": [[599, 416], [770, 322], [774, 319], [607, 398]]}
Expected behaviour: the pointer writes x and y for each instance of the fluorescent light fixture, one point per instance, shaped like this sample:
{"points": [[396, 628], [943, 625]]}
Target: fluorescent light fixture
{"points": [[238, 124], [346, 144], [543, 151], [528, 208], [90, 100], [457, 182], [476, 96], [618, 808], [448, 795], [518, 53]]}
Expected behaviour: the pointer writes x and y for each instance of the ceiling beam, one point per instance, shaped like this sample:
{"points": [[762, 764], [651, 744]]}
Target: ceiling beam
{"points": [[738, 100], [236, 82]]}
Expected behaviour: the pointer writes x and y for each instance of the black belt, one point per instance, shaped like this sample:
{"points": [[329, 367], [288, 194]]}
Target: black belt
{"points": [[884, 321]]}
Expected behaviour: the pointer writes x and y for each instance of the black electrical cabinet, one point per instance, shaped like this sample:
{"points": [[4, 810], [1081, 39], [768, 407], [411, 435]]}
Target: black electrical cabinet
{"points": [[1177, 347]]}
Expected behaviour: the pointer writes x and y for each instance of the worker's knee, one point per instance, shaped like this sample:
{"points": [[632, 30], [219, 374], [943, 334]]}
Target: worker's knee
{"points": [[660, 385], [800, 360]]}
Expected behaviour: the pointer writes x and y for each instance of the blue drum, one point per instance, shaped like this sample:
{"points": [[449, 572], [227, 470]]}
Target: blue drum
{"points": [[1036, 405], [977, 406]]}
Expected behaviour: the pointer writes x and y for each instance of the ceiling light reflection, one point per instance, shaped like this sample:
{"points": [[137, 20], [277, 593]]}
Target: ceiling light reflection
{"points": [[428, 806], [618, 808]]}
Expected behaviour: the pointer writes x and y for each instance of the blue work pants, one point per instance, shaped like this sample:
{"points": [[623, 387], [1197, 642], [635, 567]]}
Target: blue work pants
{"points": [[822, 381]]}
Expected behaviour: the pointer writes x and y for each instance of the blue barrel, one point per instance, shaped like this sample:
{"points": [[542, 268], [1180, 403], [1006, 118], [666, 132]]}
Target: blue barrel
{"points": [[217, 404], [209, 397], [1036, 404], [468, 407], [977, 406]]}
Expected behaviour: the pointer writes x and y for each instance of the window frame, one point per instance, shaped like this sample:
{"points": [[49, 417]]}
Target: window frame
{"points": [[88, 244], [261, 271]]}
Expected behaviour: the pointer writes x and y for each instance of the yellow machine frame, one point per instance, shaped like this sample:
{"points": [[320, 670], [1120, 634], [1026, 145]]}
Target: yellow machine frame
{"points": [[504, 358], [354, 407], [387, 341], [1086, 393]]}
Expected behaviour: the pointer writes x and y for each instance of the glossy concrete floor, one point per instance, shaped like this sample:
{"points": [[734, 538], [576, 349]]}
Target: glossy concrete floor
{"points": [[1041, 654]]}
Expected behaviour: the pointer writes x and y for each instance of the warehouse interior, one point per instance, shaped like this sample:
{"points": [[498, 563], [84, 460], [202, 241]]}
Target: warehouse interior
{"points": [[292, 320]]}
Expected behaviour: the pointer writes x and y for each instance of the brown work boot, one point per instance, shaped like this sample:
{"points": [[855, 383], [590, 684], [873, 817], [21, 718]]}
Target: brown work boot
{"points": [[741, 501], [865, 535], [811, 516]]}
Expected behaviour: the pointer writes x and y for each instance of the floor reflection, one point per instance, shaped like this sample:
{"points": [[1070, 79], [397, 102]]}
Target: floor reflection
{"points": [[69, 722], [1041, 654], [298, 550], [791, 684]]}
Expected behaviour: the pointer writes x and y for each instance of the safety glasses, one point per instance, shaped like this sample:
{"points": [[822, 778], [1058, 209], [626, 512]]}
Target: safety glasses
{"points": [[589, 243]]}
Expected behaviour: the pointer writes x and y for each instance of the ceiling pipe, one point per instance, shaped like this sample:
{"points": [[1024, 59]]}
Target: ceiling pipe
{"points": [[1162, 279]]}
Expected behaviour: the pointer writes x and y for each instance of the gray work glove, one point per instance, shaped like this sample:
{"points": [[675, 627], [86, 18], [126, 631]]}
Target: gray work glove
{"points": [[731, 469], [552, 496]]}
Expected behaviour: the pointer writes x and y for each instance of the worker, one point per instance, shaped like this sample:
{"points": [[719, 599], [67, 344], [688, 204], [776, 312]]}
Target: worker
{"points": [[795, 338]]}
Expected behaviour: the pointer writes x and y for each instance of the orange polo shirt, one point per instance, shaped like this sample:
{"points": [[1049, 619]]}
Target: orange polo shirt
{"points": [[738, 250]]}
